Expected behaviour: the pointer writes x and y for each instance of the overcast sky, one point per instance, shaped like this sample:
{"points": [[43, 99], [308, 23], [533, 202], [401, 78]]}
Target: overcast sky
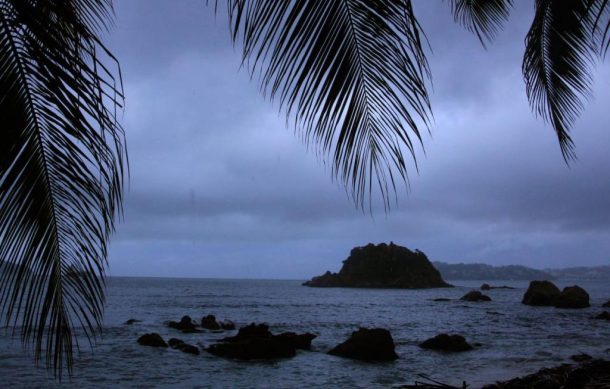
{"points": [[221, 188]]}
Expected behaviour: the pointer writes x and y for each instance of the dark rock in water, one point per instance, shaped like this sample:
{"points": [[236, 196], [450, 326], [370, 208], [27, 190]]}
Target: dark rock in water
{"points": [[227, 325], [131, 321], [603, 316], [475, 295], [186, 324], [153, 340], [540, 293], [572, 297], [374, 344], [442, 299], [254, 348], [298, 341], [249, 332], [184, 347], [581, 357], [209, 322], [489, 287], [445, 342], [606, 304], [383, 266]]}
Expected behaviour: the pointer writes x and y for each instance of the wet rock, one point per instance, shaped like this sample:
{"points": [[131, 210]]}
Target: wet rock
{"points": [[606, 304], [475, 295], [445, 342], [132, 321], [152, 340], [209, 322], [581, 357], [249, 332], [227, 325], [485, 287], [375, 344], [254, 348], [540, 293], [572, 297], [442, 299], [186, 324], [184, 347], [298, 341], [603, 316]]}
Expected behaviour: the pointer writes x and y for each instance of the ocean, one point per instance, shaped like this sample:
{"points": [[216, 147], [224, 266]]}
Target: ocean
{"points": [[514, 339]]}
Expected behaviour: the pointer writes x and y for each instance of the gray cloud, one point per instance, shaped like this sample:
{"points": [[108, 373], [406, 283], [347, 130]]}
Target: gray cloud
{"points": [[220, 188]]}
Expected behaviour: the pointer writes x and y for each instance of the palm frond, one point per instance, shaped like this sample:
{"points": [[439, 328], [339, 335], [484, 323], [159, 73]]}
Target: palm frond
{"points": [[61, 171], [599, 13], [353, 76], [481, 17], [557, 65]]}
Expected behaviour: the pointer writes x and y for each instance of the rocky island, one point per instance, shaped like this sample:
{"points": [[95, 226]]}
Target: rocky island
{"points": [[383, 266]]}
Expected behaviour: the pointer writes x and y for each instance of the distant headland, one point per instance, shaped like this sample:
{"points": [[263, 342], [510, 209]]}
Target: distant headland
{"points": [[383, 266]]}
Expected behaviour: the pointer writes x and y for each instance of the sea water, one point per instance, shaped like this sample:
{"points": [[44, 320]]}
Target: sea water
{"points": [[514, 339]]}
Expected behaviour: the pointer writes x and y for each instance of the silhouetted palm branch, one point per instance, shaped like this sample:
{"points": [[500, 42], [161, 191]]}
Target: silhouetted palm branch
{"points": [[351, 73], [482, 17], [61, 170], [557, 66]]}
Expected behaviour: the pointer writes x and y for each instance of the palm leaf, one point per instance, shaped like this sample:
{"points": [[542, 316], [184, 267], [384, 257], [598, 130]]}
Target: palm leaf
{"points": [[61, 171], [482, 17], [351, 74], [557, 65], [599, 13]]}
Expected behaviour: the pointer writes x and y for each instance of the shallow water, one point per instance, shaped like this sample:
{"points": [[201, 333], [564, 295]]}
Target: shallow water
{"points": [[515, 339]]}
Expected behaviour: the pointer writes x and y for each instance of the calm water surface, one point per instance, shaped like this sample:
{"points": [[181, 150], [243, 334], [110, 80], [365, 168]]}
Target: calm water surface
{"points": [[514, 339]]}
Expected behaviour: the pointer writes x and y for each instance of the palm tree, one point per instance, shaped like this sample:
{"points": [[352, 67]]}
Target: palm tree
{"points": [[351, 76]]}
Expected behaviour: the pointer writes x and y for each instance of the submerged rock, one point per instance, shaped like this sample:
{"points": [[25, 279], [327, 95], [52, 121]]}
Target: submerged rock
{"points": [[254, 348], [475, 295], [209, 322], [132, 321], [152, 340], [298, 341], [572, 297], [540, 293], [445, 342], [186, 325], [227, 325], [249, 332], [383, 266], [255, 341], [489, 287], [184, 347], [375, 344], [603, 316], [442, 299]]}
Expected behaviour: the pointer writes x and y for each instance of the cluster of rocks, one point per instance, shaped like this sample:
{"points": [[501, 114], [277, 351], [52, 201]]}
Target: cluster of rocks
{"points": [[545, 293], [255, 341], [187, 325]]}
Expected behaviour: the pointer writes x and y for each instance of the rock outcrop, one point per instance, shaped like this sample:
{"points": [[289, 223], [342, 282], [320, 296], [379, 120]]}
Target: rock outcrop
{"points": [[209, 323], [375, 344], [383, 266], [152, 340], [184, 347], [572, 297], [489, 287], [446, 342], [606, 304], [475, 295], [540, 293], [255, 341], [186, 325], [603, 316]]}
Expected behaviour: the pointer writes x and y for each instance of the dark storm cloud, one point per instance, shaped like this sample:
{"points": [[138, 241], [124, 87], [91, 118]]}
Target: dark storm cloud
{"points": [[219, 186]]}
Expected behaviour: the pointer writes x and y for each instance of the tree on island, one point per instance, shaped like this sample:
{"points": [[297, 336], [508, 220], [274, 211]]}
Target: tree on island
{"points": [[351, 75]]}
